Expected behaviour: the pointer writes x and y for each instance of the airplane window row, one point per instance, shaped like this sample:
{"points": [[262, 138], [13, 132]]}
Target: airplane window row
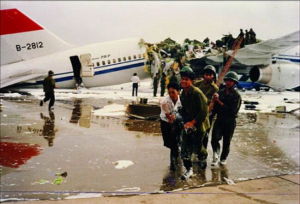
{"points": [[124, 59]]}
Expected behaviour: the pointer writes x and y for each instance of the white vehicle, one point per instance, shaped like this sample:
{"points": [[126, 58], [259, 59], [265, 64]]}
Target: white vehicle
{"points": [[274, 62], [28, 52]]}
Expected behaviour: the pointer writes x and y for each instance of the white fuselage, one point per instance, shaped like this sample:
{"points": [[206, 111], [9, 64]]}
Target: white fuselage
{"points": [[102, 64]]}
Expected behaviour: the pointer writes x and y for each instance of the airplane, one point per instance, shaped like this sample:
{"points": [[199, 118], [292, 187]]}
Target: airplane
{"points": [[29, 51], [275, 62]]}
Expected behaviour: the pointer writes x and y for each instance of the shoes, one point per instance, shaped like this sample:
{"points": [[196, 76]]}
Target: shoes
{"points": [[187, 174], [223, 162], [41, 103], [215, 159]]}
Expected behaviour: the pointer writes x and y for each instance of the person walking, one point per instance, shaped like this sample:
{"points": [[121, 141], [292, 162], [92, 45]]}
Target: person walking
{"points": [[195, 118], [208, 86], [48, 87], [171, 123], [135, 84], [227, 103], [163, 82], [155, 84]]}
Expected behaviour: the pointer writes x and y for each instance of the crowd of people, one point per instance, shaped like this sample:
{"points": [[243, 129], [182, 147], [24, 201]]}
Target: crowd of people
{"points": [[189, 111]]}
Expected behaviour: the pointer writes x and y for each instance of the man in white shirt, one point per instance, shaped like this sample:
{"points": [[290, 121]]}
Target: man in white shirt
{"points": [[135, 84], [170, 122]]}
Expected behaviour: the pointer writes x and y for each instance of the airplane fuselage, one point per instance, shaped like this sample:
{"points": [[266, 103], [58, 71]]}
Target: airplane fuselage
{"points": [[98, 64]]}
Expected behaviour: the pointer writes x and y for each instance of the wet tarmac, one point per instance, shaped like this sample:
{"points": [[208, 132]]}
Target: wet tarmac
{"points": [[38, 146]]}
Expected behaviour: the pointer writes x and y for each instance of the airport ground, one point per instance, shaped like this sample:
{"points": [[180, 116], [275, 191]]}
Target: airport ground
{"points": [[263, 166]]}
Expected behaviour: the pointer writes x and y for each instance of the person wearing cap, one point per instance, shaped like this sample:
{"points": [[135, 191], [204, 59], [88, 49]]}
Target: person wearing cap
{"points": [[227, 103], [195, 118], [48, 87], [171, 122], [208, 86]]}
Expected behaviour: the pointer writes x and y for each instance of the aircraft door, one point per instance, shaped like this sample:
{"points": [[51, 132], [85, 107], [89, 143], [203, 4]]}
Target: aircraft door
{"points": [[76, 65], [87, 65]]}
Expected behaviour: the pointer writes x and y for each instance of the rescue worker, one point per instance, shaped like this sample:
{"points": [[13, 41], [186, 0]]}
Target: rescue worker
{"points": [[195, 118], [173, 78], [170, 122], [48, 87], [208, 86], [155, 84], [135, 84], [163, 82], [227, 103]]}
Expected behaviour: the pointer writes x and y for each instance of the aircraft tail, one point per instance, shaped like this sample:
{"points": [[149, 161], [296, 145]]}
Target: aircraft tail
{"points": [[23, 39]]}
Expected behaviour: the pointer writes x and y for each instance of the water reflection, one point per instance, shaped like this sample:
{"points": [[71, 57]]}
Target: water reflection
{"points": [[48, 128], [276, 147], [82, 114], [146, 126]]}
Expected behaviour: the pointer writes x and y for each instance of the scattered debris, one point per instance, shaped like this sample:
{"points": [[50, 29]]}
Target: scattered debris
{"points": [[280, 109], [229, 181], [133, 189], [122, 164]]}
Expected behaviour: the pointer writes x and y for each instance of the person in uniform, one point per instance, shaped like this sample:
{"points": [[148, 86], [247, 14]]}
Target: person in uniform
{"points": [[48, 87], [155, 84], [171, 123], [163, 82], [208, 86], [194, 113], [227, 103]]}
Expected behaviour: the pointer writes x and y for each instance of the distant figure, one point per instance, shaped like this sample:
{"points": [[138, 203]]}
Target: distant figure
{"points": [[48, 86], [173, 79], [242, 35], [247, 37], [135, 84], [252, 36], [163, 82], [155, 84], [48, 128]]}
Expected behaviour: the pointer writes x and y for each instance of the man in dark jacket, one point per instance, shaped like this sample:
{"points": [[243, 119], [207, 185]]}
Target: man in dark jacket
{"points": [[48, 86], [208, 86], [155, 84], [227, 103], [195, 117]]}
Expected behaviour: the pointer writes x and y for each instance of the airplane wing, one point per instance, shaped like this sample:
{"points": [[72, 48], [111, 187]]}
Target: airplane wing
{"points": [[17, 79], [260, 53]]}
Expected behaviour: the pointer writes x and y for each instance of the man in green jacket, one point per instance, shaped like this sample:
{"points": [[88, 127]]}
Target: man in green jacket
{"points": [[195, 117], [208, 86], [48, 86]]}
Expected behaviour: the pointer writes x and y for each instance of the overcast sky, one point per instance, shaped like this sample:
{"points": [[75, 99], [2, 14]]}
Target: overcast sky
{"points": [[80, 23]]}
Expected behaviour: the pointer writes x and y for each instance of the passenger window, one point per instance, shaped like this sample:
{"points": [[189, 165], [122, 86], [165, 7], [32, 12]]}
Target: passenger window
{"points": [[124, 58], [134, 56], [98, 64], [144, 55], [114, 61], [140, 56], [108, 61], [103, 62], [129, 57], [119, 60]]}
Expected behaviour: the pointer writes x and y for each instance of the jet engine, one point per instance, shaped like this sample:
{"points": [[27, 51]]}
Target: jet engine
{"points": [[279, 75]]}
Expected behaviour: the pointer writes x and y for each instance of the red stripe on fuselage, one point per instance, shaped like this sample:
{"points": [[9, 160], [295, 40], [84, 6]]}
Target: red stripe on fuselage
{"points": [[13, 21]]}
